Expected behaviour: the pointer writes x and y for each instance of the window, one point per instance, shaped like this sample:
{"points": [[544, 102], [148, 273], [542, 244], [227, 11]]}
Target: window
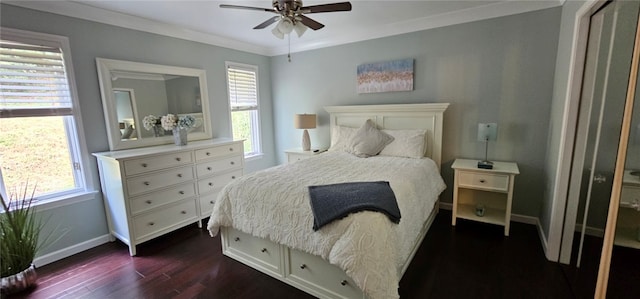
{"points": [[38, 117], [242, 80]]}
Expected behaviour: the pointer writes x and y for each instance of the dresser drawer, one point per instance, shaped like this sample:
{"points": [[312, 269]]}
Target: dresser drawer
{"points": [[149, 201], [207, 202], [207, 168], [219, 151], [213, 183], [164, 218], [146, 164], [313, 270], [260, 252], [158, 180], [494, 182]]}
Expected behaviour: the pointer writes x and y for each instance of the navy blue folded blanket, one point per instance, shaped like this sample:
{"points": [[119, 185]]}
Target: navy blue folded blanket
{"points": [[336, 201]]}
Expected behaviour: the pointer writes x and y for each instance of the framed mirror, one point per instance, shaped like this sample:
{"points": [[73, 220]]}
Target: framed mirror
{"points": [[132, 91]]}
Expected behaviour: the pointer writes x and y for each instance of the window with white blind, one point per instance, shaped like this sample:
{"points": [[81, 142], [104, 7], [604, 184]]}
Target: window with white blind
{"points": [[39, 146], [242, 82]]}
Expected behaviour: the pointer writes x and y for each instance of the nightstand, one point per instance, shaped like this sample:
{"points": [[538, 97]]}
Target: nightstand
{"points": [[298, 154], [483, 195]]}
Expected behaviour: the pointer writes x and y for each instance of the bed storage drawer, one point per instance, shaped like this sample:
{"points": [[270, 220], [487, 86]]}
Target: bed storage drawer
{"points": [[494, 182], [147, 225], [312, 271], [256, 252], [155, 199], [142, 165]]}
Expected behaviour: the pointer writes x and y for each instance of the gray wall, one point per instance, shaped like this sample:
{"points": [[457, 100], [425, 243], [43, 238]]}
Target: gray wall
{"points": [[89, 40], [498, 70]]}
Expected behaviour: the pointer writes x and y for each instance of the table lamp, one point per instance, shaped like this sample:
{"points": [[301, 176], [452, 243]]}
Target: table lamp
{"points": [[305, 121], [487, 132]]}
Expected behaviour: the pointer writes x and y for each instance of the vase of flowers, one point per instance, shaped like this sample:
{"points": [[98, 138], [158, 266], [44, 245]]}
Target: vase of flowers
{"points": [[179, 126], [152, 122]]}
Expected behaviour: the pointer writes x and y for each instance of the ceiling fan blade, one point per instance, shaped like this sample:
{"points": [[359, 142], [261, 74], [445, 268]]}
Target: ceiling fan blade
{"points": [[247, 7], [310, 22], [342, 6], [267, 22]]}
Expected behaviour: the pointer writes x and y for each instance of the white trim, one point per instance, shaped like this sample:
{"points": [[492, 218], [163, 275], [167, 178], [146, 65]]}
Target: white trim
{"points": [[256, 126], [87, 12], [66, 200], [69, 251], [569, 119]]}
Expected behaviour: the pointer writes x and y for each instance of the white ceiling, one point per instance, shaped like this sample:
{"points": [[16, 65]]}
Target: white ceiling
{"points": [[206, 22]]}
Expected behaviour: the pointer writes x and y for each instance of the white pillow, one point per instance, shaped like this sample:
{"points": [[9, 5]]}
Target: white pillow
{"points": [[368, 140], [340, 137], [406, 143]]}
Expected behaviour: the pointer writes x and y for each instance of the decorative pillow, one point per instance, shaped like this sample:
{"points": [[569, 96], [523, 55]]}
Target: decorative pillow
{"points": [[368, 140], [406, 143], [340, 137]]}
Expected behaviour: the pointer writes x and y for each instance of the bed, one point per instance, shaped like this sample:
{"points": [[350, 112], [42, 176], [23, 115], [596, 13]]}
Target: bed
{"points": [[265, 219]]}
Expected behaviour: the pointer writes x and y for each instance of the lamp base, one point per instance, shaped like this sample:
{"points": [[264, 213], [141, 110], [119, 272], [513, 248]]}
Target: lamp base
{"points": [[485, 164], [306, 142]]}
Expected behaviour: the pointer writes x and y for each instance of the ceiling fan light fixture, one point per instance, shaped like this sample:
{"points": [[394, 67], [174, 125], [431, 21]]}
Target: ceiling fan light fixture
{"points": [[285, 26], [299, 28], [277, 33]]}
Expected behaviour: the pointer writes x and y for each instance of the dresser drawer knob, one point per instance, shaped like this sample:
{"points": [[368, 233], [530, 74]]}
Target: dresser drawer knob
{"points": [[210, 184], [344, 282], [482, 181], [179, 175], [178, 159], [148, 202], [144, 164], [208, 154], [183, 212], [209, 168], [263, 250], [237, 239], [211, 202], [151, 223], [181, 192], [233, 162], [303, 266], [146, 183], [231, 149], [233, 177]]}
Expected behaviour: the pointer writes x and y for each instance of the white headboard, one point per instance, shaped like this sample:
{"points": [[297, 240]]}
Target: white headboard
{"points": [[396, 117]]}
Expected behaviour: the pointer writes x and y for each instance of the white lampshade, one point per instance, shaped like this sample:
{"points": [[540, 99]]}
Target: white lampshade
{"points": [[285, 26], [487, 131], [299, 28], [276, 32], [304, 121]]}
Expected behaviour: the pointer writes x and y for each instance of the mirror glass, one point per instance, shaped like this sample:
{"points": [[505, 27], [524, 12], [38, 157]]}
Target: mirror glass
{"points": [[132, 91]]}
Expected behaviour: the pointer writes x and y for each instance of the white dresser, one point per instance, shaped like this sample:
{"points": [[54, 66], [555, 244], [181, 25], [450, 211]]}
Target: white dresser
{"points": [[151, 191]]}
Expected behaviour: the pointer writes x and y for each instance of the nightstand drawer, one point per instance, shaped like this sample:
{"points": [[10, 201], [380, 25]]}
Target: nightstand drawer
{"points": [[494, 182], [630, 196]]}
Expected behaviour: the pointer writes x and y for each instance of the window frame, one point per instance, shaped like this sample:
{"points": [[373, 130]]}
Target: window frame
{"points": [[255, 113], [76, 142]]}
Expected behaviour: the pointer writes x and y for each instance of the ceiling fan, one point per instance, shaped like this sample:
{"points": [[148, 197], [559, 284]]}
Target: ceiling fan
{"points": [[291, 15]]}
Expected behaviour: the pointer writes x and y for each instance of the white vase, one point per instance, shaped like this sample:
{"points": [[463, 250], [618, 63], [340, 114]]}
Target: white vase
{"points": [[180, 136]]}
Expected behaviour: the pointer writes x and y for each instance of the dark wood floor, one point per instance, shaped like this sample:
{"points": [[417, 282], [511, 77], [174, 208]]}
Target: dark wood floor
{"points": [[472, 260]]}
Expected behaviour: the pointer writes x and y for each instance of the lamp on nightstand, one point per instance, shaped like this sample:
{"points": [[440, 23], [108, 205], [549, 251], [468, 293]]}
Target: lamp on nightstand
{"points": [[305, 121], [487, 132]]}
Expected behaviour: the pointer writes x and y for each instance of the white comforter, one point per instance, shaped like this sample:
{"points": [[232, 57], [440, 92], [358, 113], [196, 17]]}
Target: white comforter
{"points": [[274, 204]]}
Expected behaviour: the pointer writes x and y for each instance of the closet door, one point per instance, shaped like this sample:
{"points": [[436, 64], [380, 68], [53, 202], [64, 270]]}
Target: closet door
{"points": [[602, 101]]}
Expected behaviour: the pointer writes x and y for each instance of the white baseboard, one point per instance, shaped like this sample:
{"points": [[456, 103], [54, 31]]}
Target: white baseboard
{"points": [[69, 251], [516, 218]]}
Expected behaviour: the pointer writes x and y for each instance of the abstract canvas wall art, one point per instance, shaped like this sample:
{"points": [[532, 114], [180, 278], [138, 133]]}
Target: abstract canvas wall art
{"points": [[396, 75]]}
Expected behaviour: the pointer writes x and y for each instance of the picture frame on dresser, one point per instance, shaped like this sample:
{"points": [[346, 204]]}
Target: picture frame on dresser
{"points": [[151, 191]]}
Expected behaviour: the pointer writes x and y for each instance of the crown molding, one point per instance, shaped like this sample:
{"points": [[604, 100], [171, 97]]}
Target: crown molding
{"points": [[86, 12], [90, 13]]}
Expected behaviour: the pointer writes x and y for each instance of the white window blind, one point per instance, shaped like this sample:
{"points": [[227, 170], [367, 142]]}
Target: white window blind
{"points": [[242, 89], [33, 81]]}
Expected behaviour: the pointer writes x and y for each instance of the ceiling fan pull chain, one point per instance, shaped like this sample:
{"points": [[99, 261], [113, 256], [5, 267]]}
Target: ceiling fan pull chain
{"points": [[289, 54]]}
